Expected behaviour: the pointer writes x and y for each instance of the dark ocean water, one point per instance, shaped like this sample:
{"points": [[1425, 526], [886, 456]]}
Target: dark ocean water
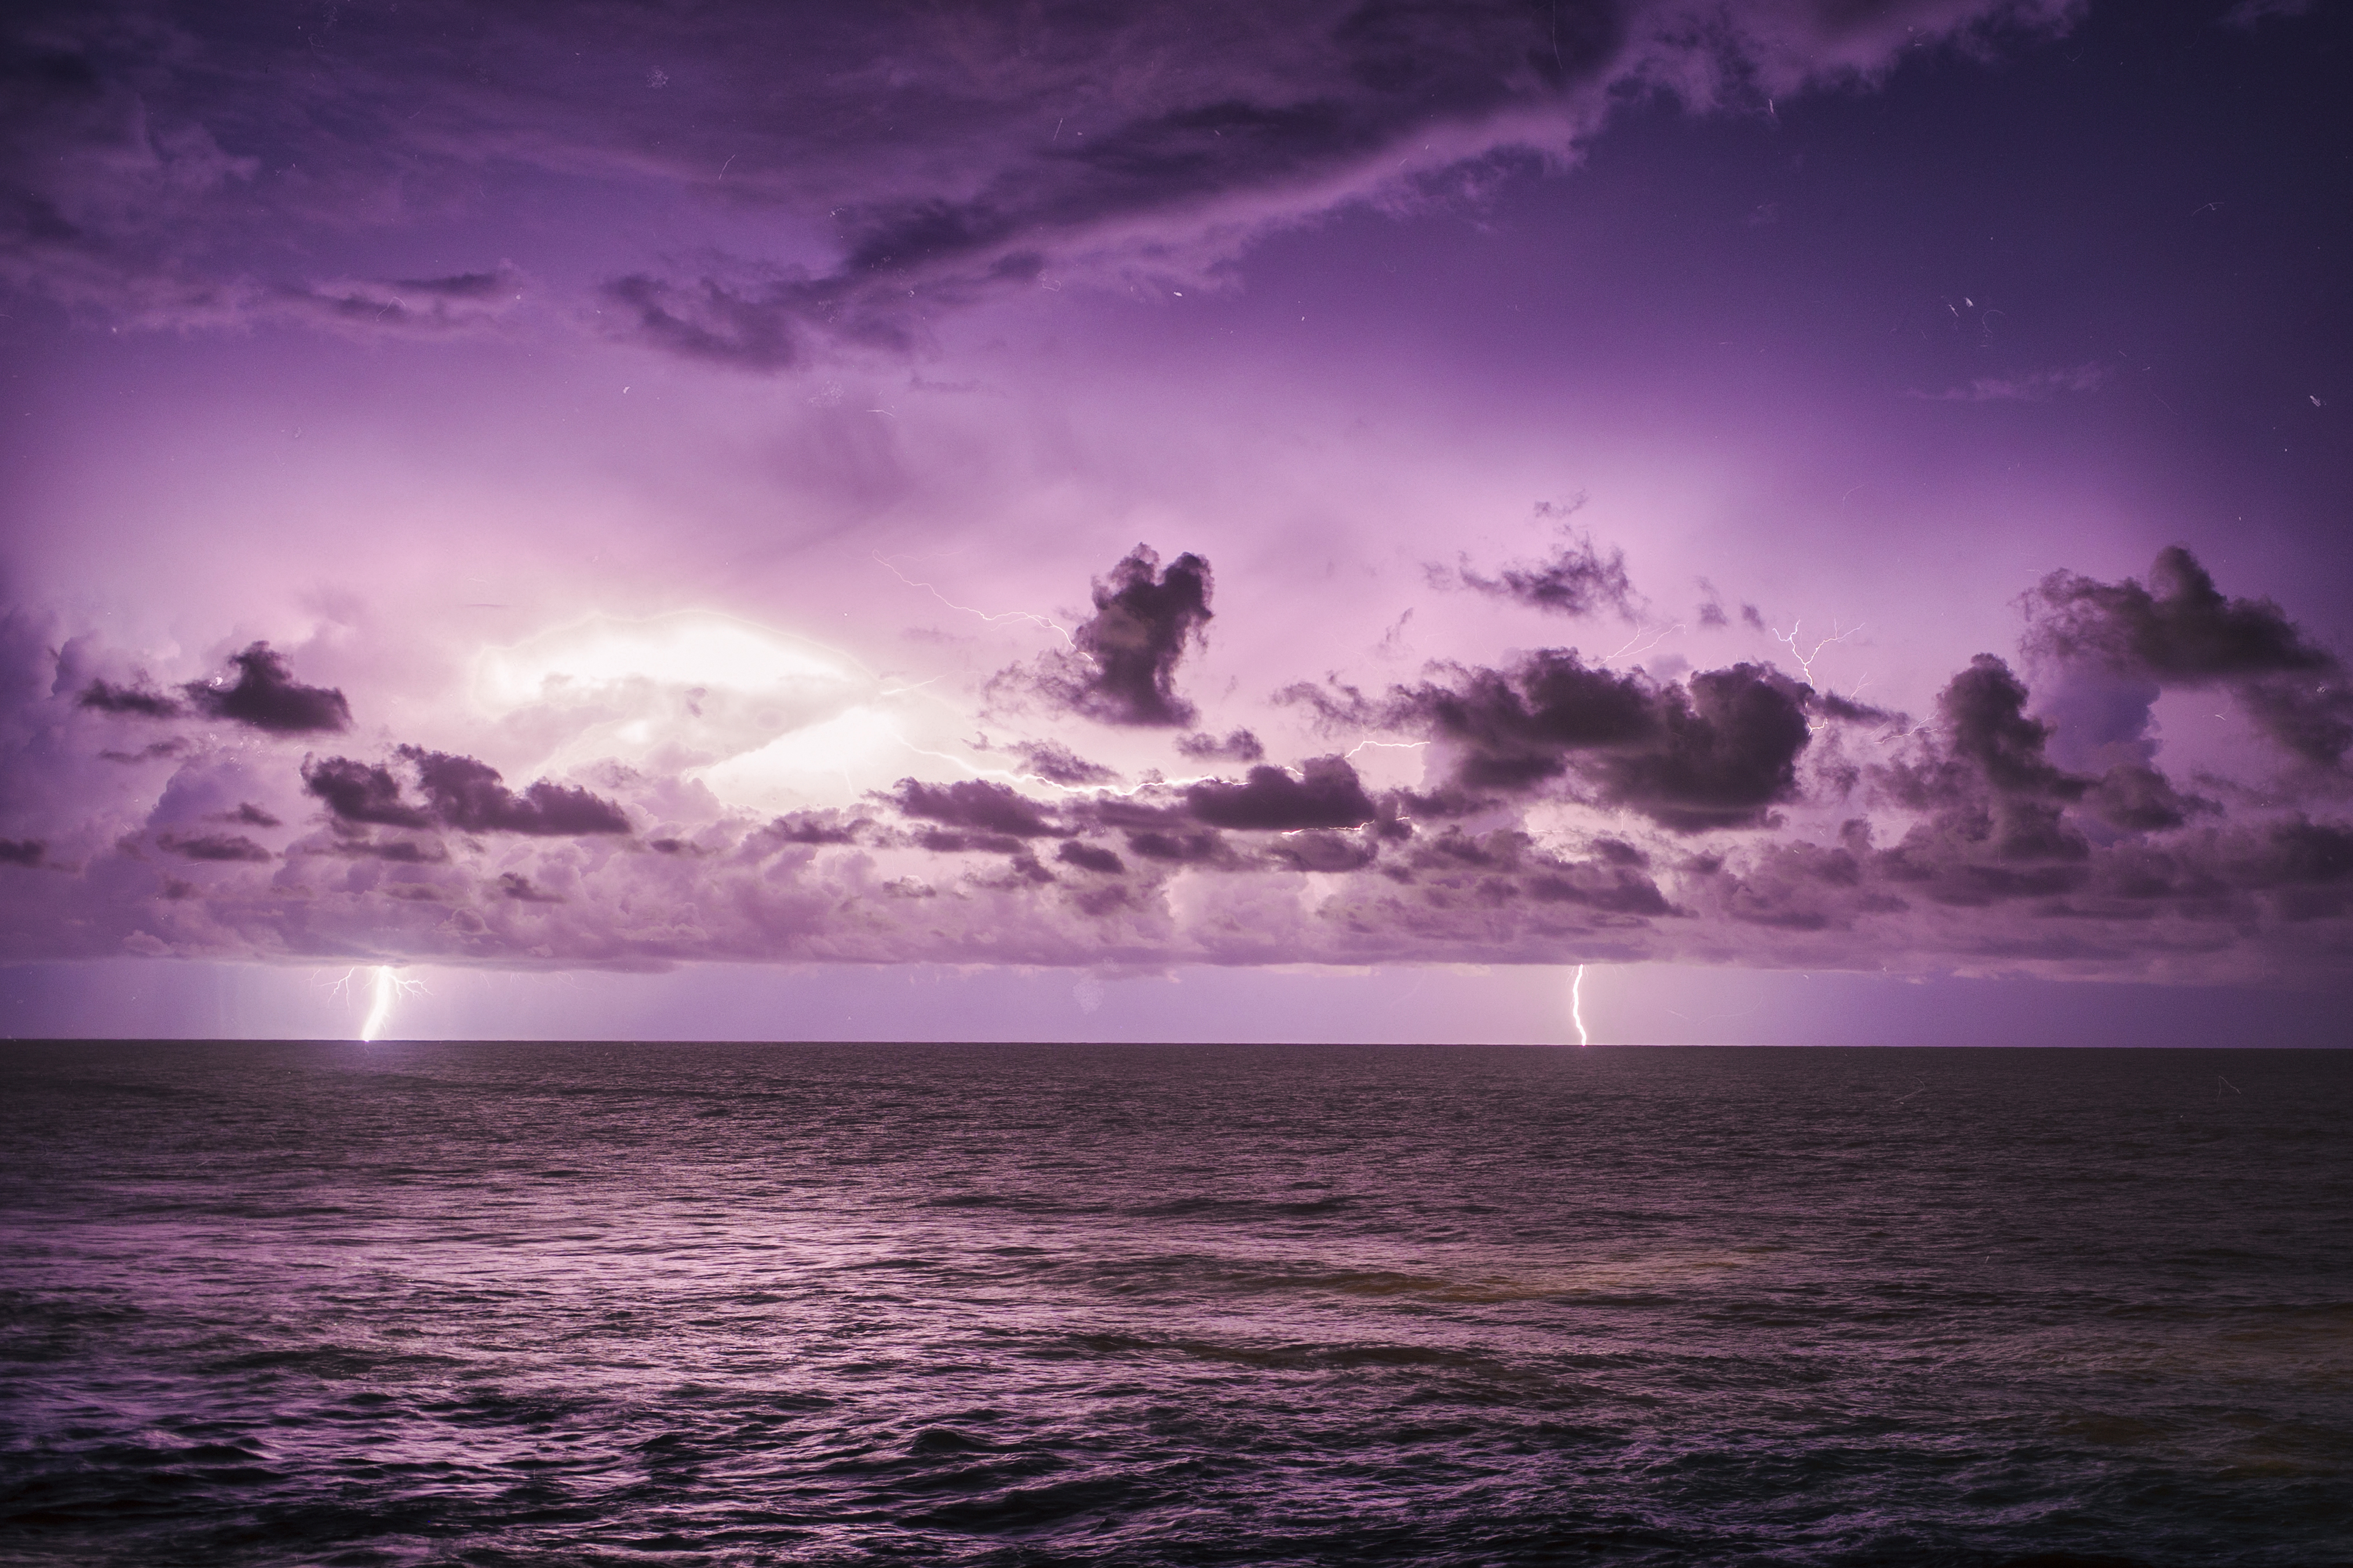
{"points": [[735, 1304]]}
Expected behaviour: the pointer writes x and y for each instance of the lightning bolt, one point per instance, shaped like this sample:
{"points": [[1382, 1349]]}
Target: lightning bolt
{"points": [[991, 618], [385, 986], [1648, 637], [1388, 745], [1576, 1006], [1806, 659]]}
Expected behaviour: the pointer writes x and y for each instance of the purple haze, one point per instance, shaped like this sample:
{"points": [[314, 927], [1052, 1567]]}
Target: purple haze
{"points": [[1305, 503]]}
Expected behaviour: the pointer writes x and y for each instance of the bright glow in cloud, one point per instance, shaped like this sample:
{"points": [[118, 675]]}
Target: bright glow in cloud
{"points": [[681, 689]]}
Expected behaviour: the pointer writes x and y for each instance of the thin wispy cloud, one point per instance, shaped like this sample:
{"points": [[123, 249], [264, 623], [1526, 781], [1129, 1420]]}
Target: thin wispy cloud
{"points": [[2036, 386]]}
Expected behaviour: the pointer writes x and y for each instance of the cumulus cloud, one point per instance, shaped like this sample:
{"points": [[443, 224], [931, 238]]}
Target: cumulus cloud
{"points": [[1233, 746], [1122, 667], [266, 695], [104, 697], [469, 797], [214, 846], [1325, 794], [1564, 812], [979, 805], [2178, 630], [1576, 580], [460, 792], [1716, 751], [1057, 763], [363, 792]]}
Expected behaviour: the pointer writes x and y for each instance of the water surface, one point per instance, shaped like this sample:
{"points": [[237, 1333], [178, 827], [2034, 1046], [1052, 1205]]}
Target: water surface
{"points": [[270, 1303]]}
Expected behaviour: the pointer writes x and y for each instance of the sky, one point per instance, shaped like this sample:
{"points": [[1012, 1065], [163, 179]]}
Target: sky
{"points": [[1214, 522]]}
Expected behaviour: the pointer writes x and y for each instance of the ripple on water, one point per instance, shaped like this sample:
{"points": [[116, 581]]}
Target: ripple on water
{"points": [[266, 1304]]}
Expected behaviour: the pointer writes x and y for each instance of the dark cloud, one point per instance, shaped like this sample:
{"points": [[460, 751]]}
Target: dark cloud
{"points": [[1988, 851], [1326, 794], [104, 697], [394, 851], [361, 792], [413, 307], [252, 816], [460, 792], [1123, 667], [1716, 751], [817, 828], [1577, 580], [973, 804], [2003, 823], [1323, 851], [2139, 799], [711, 321], [1984, 708], [267, 696], [469, 797], [516, 886], [2181, 630], [1057, 763], [1515, 729], [1235, 746], [149, 753], [1727, 751], [214, 846], [1180, 848], [1089, 858], [2314, 720], [1992, 797], [1507, 865], [942, 841], [1846, 711], [955, 153]]}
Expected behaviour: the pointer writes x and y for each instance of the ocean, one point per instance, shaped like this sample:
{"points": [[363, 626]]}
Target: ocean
{"points": [[590, 1304]]}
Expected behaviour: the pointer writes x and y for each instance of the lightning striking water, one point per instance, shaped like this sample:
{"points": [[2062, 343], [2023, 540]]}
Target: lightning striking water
{"points": [[1576, 1006], [387, 988]]}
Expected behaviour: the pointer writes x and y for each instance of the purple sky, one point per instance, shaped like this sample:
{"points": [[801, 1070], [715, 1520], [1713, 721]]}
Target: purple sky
{"points": [[1147, 521]]}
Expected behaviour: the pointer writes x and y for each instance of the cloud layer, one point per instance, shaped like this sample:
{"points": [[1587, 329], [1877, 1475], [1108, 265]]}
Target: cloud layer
{"points": [[1565, 811], [929, 159]]}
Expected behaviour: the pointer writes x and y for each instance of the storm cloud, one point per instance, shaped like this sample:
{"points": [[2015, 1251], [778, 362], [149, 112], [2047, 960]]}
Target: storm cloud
{"points": [[1717, 750], [266, 695], [461, 792], [105, 697], [951, 157], [1576, 580], [2178, 630], [1122, 668]]}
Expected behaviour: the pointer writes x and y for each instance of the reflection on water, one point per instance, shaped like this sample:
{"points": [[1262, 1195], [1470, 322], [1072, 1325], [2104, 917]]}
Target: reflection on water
{"points": [[391, 1304]]}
